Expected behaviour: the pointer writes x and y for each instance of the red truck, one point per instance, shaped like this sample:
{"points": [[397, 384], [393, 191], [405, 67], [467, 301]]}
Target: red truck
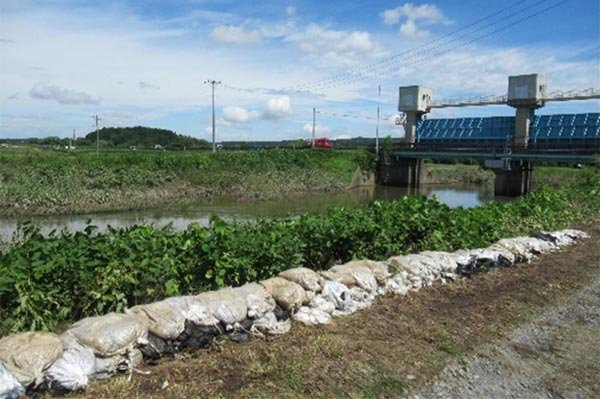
{"points": [[323, 142]]}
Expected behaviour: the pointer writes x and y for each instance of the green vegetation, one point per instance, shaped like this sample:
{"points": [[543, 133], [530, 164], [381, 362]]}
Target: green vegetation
{"points": [[553, 176], [145, 138], [47, 182], [139, 137], [48, 280]]}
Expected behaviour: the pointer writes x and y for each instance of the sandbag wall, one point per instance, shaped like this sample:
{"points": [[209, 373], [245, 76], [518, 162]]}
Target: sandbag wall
{"points": [[99, 347]]}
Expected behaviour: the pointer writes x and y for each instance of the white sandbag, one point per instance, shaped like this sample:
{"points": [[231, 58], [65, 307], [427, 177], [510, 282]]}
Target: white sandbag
{"points": [[481, 255], [504, 252], [379, 269], [193, 310], [362, 298], [445, 261], [258, 300], [421, 270], [110, 365], [160, 318], [73, 370], [27, 355], [106, 367], [226, 305], [10, 388], [340, 296], [574, 234], [289, 295], [306, 278], [321, 303], [352, 274], [268, 324], [518, 246], [108, 335], [399, 284], [312, 316]]}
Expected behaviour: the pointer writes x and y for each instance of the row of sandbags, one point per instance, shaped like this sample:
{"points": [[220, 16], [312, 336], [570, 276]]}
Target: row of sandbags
{"points": [[98, 347]]}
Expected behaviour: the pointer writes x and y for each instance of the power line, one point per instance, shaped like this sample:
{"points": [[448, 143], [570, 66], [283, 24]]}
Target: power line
{"points": [[393, 63], [365, 68], [445, 51]]}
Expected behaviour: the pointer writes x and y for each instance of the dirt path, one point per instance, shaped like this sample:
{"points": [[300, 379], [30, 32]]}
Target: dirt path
{"points": [[401, 344], [555, 356]]}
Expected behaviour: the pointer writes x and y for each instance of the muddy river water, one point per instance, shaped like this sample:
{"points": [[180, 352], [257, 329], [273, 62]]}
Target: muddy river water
{"points": [[180, 216]]}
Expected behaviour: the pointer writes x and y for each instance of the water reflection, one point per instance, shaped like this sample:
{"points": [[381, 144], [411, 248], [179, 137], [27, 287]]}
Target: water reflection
{"points": [[181, 216]]}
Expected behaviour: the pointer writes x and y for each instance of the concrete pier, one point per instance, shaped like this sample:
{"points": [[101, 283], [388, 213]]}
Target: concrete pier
{"points": [[513, 181], [404, 172]]}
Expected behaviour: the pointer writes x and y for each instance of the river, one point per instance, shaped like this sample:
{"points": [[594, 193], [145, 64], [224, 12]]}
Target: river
{"points": [[180, 216]]}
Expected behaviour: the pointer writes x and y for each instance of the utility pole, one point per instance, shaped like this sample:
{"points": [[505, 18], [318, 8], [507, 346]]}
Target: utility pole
{"points": [[312, 144], [213, 83], [72, 140], [377, 128], [95, 117]]}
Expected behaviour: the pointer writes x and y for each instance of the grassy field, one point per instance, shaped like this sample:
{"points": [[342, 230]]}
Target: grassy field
{"points": [[49, 182], [553, 176]]}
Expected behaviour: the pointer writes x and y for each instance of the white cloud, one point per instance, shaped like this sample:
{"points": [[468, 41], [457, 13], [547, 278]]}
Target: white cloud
{"points": [[334, 47], [44, 91], [230, 34], [343, 137], [233, 114], [320, 130], [278, 108], [290, 11], [409, 30], [427, 13]]}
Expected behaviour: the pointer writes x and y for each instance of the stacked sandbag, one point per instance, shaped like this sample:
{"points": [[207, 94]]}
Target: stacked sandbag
{"points": [[263, 311], [114, 340], [10, 388], [563, 237], [417, 270], [73, 371], [25, 357], [165, 323], [475, 260], [98, 347], [289, 296]]}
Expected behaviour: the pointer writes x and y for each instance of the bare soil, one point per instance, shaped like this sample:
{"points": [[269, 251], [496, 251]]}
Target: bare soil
{"points": [[393, 349]]}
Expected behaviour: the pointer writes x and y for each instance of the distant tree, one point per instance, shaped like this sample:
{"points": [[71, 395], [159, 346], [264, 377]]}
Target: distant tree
{"points": [[145, 137]]}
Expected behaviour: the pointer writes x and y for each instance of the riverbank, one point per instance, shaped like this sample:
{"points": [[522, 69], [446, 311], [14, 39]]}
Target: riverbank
{"points": [[46, 182], [437, 173], [35, 182], [395, 347]]}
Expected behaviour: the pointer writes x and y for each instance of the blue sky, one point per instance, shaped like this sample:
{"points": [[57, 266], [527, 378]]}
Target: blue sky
{"points": [[144, 62]]}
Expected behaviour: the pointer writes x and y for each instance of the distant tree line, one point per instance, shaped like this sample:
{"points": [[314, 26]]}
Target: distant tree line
{"points": [[146, 138], [138, 137]]}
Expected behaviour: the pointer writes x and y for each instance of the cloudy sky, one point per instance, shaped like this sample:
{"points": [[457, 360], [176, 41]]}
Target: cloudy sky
{"points": [[145, 62]]}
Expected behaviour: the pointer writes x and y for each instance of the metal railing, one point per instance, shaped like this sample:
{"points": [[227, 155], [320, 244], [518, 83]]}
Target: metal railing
{"points": [[557, 95]]}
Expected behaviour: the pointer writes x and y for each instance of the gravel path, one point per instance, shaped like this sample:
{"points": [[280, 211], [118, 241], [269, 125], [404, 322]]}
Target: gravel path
{"points": [[555, 356]]}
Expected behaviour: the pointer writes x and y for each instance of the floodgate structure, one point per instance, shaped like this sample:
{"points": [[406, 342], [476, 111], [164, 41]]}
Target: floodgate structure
{"points": [[507, 145]]}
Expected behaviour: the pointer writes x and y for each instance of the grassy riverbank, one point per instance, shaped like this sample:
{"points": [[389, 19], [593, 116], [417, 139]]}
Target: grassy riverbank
{"points": [[45, 281], [437, 173], [47, 182]]}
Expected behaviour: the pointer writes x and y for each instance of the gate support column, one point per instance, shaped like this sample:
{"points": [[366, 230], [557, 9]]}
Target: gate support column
{"points": [[513, 181], [402, 172]]}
